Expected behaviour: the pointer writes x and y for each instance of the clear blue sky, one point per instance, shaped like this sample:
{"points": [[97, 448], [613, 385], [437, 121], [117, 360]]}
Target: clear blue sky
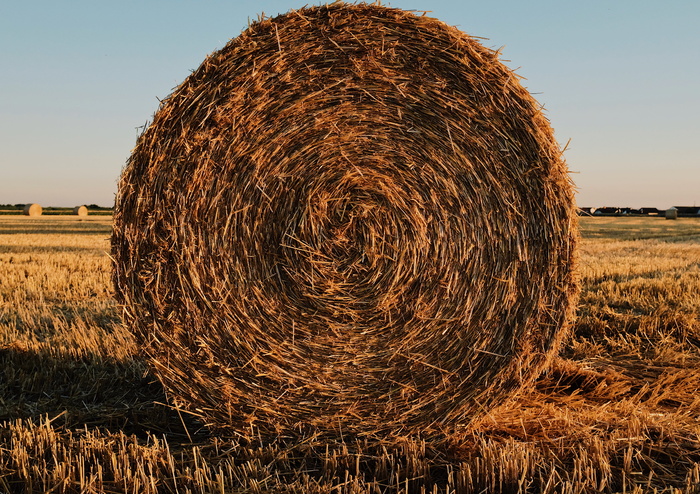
{"points": [[620, 79]]}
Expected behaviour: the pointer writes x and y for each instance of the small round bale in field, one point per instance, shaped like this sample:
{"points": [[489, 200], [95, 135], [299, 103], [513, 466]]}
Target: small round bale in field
{"points": [[32, 210], [80, 211], [351, 220]]}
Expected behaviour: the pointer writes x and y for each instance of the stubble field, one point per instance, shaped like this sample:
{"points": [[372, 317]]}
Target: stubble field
{"points": [[618, 411]]}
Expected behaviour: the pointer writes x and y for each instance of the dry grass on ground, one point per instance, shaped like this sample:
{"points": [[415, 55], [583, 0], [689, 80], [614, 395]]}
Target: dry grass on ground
{"points": [[618, 412]]}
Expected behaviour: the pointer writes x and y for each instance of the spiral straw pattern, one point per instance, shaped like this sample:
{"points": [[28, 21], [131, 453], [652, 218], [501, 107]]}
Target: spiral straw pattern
{"points": [[350, 220]]}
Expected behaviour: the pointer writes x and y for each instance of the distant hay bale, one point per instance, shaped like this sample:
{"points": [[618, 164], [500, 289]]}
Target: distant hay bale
{"points": [[672, 214], [80, 211], [32, 210], [351, 220]]}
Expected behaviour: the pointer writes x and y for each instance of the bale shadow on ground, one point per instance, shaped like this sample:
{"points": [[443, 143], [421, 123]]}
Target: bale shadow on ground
{"points": [[90, 392]]}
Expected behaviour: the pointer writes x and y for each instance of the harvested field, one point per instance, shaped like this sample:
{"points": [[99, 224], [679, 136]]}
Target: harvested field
{"points": [[617, 412]]}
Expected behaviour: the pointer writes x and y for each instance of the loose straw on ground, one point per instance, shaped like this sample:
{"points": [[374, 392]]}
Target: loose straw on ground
{"points": [[351, 220]]}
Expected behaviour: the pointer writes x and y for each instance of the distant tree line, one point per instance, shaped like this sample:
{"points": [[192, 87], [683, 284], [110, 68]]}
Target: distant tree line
{"points": [[20, 207]]}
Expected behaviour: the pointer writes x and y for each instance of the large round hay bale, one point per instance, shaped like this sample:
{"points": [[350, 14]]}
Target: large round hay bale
{"points": [[32, 210], [350, 220], [80, 211]]}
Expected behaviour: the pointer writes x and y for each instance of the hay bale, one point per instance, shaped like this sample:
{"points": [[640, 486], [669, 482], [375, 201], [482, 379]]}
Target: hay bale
{"points": [[80, 211], [32, 210], [671, 213], [350, 220]]}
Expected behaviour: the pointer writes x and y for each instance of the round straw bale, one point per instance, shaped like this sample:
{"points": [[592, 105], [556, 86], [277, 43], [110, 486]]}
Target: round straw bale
{"points": [[349, 220], [32, 210], [80, 211]]}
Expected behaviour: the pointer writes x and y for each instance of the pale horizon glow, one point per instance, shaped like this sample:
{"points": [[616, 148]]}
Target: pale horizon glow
{"points": [[618, 80]]}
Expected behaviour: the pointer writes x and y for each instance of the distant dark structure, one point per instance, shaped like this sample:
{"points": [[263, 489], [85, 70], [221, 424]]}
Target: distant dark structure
{"points": [[688, 211], [675, 211], [607, 211], [629, 212]]}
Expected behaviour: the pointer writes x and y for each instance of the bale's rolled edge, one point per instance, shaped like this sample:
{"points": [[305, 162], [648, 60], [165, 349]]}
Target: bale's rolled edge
{"points": [[80, 211], [32, 210], [236, 359]]}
